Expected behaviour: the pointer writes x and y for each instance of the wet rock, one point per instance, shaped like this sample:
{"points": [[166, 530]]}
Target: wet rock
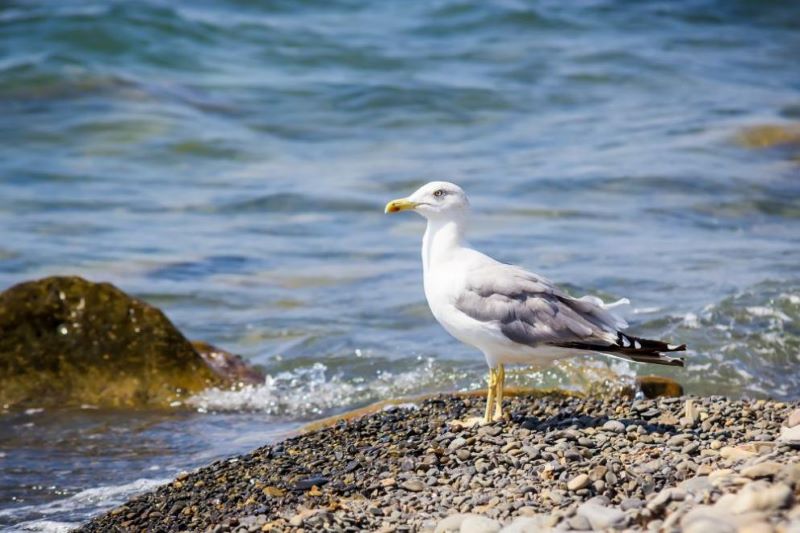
{"points": [[659, 387], [68, 341], [230, 367], [769, 135]]}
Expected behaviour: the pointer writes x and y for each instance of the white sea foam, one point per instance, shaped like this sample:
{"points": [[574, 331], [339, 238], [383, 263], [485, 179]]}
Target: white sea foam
{"points": [[691, 320], [301, 392], [793, 299], [47, 526], [768, 312], [401, 406], [84, 504], [311, 391]]}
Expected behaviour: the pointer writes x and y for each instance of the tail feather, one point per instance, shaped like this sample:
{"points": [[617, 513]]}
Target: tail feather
{"points": [[634, 349]]}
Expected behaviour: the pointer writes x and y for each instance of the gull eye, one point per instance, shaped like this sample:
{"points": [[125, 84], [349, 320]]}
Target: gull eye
{"points": [[439, 193]]}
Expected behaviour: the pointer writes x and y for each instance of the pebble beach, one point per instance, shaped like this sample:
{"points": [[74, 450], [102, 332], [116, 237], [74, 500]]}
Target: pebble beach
{"points": [[561, 462]]}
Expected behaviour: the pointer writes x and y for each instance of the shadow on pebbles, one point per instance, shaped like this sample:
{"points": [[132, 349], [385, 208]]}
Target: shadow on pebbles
{"points": [[561, 463]]}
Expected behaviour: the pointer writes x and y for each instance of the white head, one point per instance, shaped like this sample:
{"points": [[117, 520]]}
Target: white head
{"points": [[434, 200]]}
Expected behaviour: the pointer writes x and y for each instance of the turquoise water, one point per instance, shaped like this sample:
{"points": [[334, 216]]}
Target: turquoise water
{"points": [[229, 161]]}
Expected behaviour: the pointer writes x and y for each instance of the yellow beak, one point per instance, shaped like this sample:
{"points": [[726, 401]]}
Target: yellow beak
{"points": [[401, 204]]}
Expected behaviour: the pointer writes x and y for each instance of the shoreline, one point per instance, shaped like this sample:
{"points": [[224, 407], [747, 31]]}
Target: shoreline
{"points": [[563, 461]]}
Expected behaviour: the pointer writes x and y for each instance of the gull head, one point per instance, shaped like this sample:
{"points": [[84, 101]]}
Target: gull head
{"points": [[437, 199]]}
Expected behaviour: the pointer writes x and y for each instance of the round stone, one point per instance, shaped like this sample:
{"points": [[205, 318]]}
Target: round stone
{"points": [[581, 481]]}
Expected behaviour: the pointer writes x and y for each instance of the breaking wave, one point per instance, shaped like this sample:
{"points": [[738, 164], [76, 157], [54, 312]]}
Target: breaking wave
{"points": [[314, 391], [81, 505], [748, 344]]}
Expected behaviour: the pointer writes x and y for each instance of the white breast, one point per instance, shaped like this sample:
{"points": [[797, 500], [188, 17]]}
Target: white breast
{"points": [[444, 281]]}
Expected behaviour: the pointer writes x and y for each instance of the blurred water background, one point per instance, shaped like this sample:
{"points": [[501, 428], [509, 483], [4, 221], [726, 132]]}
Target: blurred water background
{"points": [[229, 161]]}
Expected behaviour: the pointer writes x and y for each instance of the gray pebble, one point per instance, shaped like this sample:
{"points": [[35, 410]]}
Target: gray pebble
{"points": [[413, 485], [456, 443], [631, 503], [614, 426]]}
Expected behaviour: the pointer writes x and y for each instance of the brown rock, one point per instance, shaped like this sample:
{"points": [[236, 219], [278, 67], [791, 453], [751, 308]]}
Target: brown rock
{"points": [[69, 341], [581, 481], [769, 135], [658, 387], [228, 366]]}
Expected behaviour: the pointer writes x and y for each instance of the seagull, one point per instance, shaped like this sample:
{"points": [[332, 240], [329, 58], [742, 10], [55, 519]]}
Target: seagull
{"points": [[511, 315]]}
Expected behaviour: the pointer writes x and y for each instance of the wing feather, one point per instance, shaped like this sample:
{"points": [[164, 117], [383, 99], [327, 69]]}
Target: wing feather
{"points": [[531, 310]]}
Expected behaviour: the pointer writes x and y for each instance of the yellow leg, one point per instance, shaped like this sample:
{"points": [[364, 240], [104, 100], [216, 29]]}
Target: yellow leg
{"points": [[490, 395], [496, 377], [501, 380]]}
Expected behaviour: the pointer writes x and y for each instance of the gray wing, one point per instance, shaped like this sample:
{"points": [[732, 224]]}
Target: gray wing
{"points": [[531, 310]]}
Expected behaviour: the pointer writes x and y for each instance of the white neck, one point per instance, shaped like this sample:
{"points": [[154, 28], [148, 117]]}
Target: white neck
{"points": [[441, 239]]}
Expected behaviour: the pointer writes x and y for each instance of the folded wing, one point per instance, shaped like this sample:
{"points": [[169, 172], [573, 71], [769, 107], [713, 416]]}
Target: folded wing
{"points": [[533, 311]]}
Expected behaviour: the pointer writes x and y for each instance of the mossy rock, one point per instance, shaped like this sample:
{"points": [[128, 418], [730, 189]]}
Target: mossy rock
{"points": [[659, 387], [68, 341], [770, 135]]}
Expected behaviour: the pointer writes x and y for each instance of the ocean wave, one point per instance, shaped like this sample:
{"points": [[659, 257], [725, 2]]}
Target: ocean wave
{"points": [[745, 344], [314, 391], [310, 392], [82, 505]]}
